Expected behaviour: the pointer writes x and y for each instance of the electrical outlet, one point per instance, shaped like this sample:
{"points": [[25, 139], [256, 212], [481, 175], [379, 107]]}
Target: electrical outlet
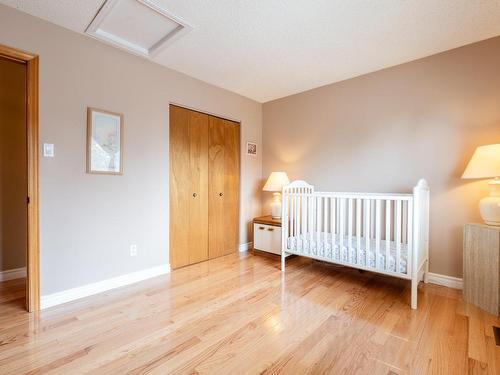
{"points": [[133, 250]]}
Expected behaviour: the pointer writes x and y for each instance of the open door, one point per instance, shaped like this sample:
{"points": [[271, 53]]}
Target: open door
{"points": [[32, 258]]}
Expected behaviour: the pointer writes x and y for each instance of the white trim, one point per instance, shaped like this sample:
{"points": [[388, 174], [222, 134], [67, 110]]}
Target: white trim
{"points": [[246, 246], [448, 281], [16, 273], [64, 296]]}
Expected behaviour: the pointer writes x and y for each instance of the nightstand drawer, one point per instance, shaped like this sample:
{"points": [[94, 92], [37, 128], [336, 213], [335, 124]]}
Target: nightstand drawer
{"points": [[267, 238]]}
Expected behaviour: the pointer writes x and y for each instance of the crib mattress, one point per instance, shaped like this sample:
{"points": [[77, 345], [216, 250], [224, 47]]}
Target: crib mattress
{"points": [[322, 245]]}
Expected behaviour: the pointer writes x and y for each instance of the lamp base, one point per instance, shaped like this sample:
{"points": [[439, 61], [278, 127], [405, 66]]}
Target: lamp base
{"points": [[490, 206], [276, 206]]}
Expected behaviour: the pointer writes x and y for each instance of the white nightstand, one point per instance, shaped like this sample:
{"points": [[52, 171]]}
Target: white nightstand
{"points": [[267, 234]]}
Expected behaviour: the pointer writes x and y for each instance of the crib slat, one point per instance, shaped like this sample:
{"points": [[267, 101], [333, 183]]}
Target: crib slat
{"points": [[409, 255], [305, 222], [293, 198], [298, 217], [325, 226], [378, 204], [367, 231], [358, 231], [286, 230], [333, 223], [297, 212], [388, 213], [341, 223], [349, 224], [404, 235], [311, 222], [318, 223], [292, 213], [372, 217], [304, 215], [301, 213], [398, 234]]}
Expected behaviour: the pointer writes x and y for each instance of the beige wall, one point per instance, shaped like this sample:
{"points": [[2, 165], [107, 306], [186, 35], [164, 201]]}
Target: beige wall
{"points": [[13, 183], [89, 221], [383, 131]]}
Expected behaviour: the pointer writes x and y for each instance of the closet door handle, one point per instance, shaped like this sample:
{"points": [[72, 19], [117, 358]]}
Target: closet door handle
{"points": [[221, 194], [262, 228], [194, 195], [270, 229]]}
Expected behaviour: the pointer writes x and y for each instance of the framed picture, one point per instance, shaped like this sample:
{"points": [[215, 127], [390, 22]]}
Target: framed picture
{"points": [[251, 148], [104, 142]]}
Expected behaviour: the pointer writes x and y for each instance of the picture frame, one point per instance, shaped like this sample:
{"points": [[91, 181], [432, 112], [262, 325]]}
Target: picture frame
{"points": [[104, 142], [252, 148]]}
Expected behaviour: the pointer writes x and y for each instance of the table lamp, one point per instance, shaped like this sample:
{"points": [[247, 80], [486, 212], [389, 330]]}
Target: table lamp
{"points": [[275, 183], [485, 163]]}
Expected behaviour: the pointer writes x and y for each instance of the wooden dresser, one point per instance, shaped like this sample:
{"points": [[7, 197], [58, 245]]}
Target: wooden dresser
{"points": [[482, 267], [267, 234]]}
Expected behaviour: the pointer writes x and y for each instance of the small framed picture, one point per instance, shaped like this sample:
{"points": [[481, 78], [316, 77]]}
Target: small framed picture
{"points": [[104, 142], [251, 148]]}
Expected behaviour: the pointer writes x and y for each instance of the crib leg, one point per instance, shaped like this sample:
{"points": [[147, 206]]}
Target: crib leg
{"points": [[282, 262], [426, 272], [414, 288]]}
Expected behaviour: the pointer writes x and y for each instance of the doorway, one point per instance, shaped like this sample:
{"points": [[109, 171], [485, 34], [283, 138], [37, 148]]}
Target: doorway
{"points": [[19, 173]]}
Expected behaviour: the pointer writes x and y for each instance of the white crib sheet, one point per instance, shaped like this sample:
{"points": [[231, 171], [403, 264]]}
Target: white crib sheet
{"points": [[322, 245]]}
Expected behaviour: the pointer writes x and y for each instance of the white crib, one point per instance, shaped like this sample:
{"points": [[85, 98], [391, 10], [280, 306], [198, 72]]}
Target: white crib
{"points": [[384, 233]]}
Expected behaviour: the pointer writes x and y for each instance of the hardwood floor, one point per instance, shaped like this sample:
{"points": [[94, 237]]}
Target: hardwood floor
{"points": [[240, 315]]}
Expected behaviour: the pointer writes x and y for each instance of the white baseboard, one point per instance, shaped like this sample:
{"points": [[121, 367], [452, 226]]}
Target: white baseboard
{"points": [[449, 281], [16, 273], [246, 246], [64, 296]]}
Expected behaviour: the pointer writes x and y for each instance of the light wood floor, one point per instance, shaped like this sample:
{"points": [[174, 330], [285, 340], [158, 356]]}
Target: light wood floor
{"points": [[238, 315]]}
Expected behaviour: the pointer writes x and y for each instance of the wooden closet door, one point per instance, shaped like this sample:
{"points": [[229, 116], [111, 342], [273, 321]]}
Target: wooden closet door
{"points": [[198, 168], [223, 201], [188, 187], [216, 187], [232, 186]]}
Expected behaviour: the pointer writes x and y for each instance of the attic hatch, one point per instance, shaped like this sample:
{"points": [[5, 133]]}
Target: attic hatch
{"points": [[139, 26]]}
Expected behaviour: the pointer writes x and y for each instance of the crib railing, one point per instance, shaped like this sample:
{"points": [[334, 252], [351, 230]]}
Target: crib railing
{"points": [[355, 221]]}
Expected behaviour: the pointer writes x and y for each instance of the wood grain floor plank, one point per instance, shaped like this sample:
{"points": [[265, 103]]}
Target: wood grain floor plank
{"points": [[262, 285], [240, 315]]}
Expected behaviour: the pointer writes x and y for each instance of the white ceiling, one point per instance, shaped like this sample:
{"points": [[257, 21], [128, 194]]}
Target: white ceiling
{"points": [[267, 49]]}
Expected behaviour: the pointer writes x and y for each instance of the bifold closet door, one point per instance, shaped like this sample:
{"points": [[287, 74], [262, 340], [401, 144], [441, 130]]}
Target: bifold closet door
{"points": [[224, 181], [188, 187]]}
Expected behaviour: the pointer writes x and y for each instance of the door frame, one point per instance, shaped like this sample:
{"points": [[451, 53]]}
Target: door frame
{"points": [[33, 248]]}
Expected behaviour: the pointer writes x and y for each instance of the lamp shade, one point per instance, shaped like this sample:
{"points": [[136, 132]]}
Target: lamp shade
{"points": [[485, 162], [276, 181]]}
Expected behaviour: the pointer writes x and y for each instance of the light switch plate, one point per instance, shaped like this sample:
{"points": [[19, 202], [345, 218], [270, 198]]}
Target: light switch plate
{"points": [[133, 250], [48, 150]]}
